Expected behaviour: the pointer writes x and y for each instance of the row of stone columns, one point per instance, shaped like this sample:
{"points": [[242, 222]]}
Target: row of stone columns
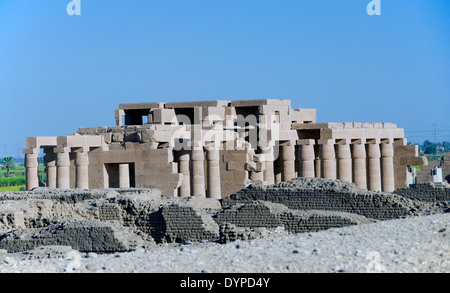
{"points": [[57, 163], [372, 169], [191, 166]]}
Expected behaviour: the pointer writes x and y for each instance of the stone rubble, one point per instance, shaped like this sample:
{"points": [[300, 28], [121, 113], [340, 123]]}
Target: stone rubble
{"points": [[118, 220]]}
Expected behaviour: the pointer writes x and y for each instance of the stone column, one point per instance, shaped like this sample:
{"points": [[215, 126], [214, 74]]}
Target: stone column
{"points": [[183, 168], [344, 162], [50, 166], [288, 156], [317, 162], [328, 158], [31, 168], [307, 158], [387, 163], [373, 153], [197, 155], [63, 168], [359, 165], [124, 176], [198, 172], [82, 164], [213, 158], [269, 175]]}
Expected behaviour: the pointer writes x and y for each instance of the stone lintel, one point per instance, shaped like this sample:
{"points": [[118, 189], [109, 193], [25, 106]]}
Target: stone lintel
{"points": [[260, 102], [40, 141], [309, 126], [196, 104], [140, 106]]}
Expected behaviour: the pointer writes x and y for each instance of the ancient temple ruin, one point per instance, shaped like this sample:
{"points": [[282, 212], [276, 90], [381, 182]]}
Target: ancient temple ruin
{"points": [[216, 148]]}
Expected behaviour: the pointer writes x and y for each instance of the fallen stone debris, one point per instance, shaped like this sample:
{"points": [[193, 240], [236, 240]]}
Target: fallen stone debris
{"points": [[48, 222]]}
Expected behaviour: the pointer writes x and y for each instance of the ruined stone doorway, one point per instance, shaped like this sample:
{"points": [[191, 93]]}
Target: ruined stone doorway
{"points": [[120, 175]]}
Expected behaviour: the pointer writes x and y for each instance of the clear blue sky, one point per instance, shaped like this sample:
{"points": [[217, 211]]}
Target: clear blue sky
{"points": [[61, 72]]}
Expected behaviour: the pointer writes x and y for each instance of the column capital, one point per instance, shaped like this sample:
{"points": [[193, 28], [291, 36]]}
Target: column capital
{"points": [[386, 140], [59, 150], [373, 150], [83, 149], [387, 149], [213, 154], [343, 151], [31, 151], [326, 141], [306, 142], [31, 160], [82, 159], [358, 151], [288, 143], [343, 141], [358, 141], [373, 140]]}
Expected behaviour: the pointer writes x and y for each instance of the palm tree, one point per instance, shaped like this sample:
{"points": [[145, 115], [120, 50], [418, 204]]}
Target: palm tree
{"points": [[8, 163]]}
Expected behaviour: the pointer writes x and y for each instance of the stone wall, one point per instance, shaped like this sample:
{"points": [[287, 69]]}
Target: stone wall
{"points": [[82, 235], [424, 175], [233, 174], [428, 192], [330, 195], [109, 220], [270, 215]]}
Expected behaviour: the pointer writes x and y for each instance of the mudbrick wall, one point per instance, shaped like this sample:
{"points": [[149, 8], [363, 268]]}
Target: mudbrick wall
{"points": [[429, 192], [329, 195], [109, 220]]}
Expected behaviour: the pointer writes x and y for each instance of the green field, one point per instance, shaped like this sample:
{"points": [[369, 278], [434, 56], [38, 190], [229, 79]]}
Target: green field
{"points": [[16, 179], [11, 188], [18, 171], [12, 181], [434, 157], [417, 167]]}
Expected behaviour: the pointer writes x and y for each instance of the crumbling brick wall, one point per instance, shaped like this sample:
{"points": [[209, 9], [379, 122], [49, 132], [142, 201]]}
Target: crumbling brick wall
{"points": [[270, 215], [330, 195], [428, 192]]}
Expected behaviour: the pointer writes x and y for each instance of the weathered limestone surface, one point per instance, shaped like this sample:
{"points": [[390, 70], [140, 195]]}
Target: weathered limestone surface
{"points": [[109, 220], [167, 146]]}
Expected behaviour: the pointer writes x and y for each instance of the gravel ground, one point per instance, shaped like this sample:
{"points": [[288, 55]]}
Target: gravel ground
{"points": [[417, 244]]}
